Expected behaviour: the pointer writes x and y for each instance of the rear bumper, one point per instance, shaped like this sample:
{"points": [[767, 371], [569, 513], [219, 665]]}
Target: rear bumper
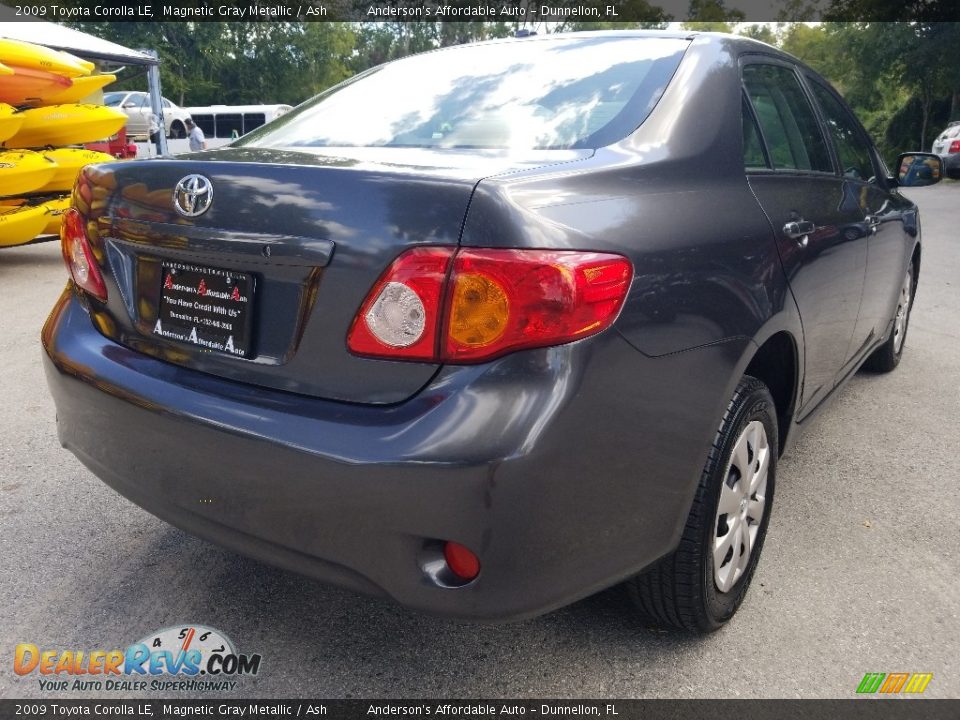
{"points": [[563, 478], [951, 165]]}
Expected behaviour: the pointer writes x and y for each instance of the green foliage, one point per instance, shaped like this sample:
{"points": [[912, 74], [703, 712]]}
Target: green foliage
{"points": [[763, 33], [897, 76], [712, 16], [236, 63]]}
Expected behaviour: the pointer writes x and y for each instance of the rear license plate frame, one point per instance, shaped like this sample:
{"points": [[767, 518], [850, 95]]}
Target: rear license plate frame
{"points": [[206, 307]]}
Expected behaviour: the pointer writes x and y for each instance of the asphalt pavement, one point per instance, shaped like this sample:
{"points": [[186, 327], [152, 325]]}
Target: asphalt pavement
{"points": [[860, 571]]}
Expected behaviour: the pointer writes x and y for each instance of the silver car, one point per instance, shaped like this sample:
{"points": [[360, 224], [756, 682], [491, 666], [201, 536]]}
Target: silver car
{"points": [[142, 122], [947, 146]]}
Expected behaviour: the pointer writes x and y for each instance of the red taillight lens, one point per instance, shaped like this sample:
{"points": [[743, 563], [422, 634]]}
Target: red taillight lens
{"points": [[493, 302], [954, 147], [78, 255], [399, 318], [461, 560], [505, 300]]}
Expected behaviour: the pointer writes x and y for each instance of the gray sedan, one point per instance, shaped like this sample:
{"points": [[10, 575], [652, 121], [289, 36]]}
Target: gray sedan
{"points": [[489, 329]]}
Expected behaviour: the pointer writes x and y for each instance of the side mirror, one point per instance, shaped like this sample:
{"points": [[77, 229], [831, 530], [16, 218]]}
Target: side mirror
{"points": [[918, 169], [128, 105]]}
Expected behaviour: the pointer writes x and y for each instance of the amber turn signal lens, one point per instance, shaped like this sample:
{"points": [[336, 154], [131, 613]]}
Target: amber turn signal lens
{"points": [[479, 310]]}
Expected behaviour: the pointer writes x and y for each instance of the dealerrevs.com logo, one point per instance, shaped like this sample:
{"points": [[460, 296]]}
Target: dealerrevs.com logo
{"points": [[188, 658]]}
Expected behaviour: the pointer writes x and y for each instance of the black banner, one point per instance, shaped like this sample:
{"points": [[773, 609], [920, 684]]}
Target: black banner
{"points": [[855, 709], [513, 11]]}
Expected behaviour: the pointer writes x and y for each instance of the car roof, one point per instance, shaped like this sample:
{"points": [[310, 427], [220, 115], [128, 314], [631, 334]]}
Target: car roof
{"points": [[739, 43]]}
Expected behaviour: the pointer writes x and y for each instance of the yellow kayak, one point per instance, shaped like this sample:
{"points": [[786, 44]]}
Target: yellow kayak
{"points": [[24, 171], [21, 225], [82, 88], [55, 209], [10, 121], [69, 162], [4, 70], [27, 55], [69, 124]]}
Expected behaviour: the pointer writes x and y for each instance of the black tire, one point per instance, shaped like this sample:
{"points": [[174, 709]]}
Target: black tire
{"points": [[886, 357], [681, 590], [177, 130]]}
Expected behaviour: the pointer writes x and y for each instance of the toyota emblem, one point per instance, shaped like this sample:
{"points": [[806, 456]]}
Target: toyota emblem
{"points": [[193, 195]]}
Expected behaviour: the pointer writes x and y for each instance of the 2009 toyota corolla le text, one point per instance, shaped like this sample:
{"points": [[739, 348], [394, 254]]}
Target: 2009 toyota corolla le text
{"points": [[489, 329]]}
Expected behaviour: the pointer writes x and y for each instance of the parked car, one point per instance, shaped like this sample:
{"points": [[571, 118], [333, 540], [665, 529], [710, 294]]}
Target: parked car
{"points": [[947, 146], [489, 342], [142, 121]]}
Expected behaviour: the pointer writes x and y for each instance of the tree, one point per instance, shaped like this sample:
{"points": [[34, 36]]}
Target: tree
{"points": [[761, 32], [712, 16]]}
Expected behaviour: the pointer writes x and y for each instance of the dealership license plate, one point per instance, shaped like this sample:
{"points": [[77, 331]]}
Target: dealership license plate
{"points": [[207, 307]]}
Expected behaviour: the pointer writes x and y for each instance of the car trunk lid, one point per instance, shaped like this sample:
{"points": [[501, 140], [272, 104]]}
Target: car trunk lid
{"points": [[263, 285]]}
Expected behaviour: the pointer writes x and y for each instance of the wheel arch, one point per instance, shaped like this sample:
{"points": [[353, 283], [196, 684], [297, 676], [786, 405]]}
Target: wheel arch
{"points": [[915, 259], [776, 363]]}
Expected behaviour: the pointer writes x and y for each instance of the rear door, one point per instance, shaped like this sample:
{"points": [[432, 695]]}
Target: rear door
{"points": [[138, 113], [816, 217], [888, 247]]}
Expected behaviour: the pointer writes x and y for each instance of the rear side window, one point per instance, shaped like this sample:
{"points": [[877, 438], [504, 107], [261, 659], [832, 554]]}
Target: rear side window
{"points": [[753, 156], [852, 149], [786, 118]]}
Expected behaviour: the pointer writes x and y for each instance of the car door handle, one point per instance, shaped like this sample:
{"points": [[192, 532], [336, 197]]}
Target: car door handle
{"points": [[799, 231]]}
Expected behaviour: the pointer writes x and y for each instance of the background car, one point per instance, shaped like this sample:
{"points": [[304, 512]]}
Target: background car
{"points": [[947, 146], [141, 119]]}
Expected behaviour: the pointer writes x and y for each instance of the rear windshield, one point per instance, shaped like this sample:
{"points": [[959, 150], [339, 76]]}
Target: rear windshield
{"points": [[534, 94]]}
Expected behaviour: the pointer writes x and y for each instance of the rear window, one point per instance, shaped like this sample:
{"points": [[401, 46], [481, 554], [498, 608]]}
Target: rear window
{"points": [[533, 94]]}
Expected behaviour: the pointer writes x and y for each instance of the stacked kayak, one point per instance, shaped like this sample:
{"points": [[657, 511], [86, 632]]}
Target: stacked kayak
{"points": [[82, 87], [24, 171], [69, 162], [69, 124], [42, 114], [19, 225]]}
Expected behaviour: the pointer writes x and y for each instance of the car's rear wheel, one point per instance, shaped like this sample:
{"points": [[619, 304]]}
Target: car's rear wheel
{"points": [[886, 357], [177, 130], [700, 585]]}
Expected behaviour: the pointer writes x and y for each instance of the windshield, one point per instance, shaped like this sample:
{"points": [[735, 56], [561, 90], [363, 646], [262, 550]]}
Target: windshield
{"points": [[535, 94], [113, 99]]}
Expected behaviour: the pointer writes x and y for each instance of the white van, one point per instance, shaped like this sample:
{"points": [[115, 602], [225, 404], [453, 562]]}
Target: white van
{"points": [[232, 121]]}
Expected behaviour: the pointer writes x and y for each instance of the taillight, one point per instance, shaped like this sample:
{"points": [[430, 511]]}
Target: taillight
{"points": [[954, 147], [399, 317], [491, 302], [78, 255]]}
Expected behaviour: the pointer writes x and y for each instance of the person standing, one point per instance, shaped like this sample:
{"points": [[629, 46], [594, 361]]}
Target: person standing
{"points": [[197, 140]]}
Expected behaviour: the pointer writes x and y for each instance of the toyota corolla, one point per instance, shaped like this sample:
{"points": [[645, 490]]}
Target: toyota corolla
{"points": [[492, 328]]}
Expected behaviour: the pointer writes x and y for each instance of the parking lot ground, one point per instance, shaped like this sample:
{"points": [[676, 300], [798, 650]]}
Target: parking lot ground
{"points": [[860, 571]]}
